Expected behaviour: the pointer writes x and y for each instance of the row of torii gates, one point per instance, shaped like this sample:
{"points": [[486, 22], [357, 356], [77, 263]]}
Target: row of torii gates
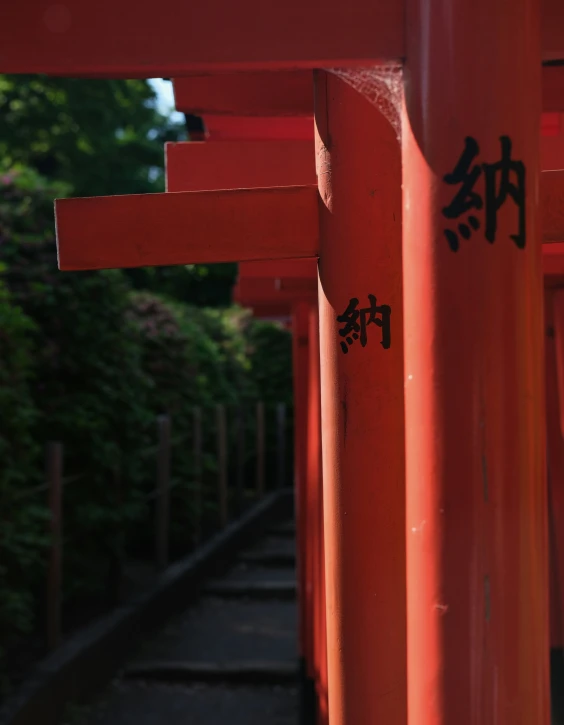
{"points": [[395, 207]]}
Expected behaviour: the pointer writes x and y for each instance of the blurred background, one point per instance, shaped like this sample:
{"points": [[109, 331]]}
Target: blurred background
{"points": [[92, 361]]}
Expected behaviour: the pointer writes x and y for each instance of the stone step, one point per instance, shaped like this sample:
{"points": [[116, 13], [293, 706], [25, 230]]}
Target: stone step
{"points": [[137, 702], [252, 589], [243, 572], [246, 672], [285, 530], [226, 630], [269, 558]]}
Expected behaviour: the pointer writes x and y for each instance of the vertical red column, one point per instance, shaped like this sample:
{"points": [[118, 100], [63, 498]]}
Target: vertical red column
{"points": [[315, 485], [475, 444], [300, 360], [361, 352]]}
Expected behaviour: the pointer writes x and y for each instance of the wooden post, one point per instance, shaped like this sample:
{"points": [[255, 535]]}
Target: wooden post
{"points": [[240, 491], [54, 471], [198, 493], [162, 502], [260, 449], [115, 574], [222, 466], [281, 438]]}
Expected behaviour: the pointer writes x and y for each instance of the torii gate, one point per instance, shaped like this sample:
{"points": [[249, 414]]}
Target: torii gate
{"points": [[472, 305]]}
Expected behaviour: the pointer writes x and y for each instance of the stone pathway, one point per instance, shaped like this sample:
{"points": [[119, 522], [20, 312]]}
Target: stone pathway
{"points": [[231, 659]]}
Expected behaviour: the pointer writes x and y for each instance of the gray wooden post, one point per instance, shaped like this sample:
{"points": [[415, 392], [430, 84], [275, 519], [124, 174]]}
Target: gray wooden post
{"points": [[281, 435], [162, 501], [240, 490], [222, 466], [198, 492], [260, 449], [54, 472]]}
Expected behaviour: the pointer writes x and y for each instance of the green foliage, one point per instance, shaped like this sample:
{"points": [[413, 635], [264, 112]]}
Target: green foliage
{"points": [[22, 525], [198, 284], [270, 349], [98, 136]]}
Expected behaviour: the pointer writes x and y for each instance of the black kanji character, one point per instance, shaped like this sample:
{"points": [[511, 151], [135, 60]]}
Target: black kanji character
{"points": [[356, 321], [466, 198]]}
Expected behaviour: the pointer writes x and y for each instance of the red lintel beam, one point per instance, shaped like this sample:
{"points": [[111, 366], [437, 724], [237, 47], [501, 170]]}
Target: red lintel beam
{"points": [[259, 93], [215, 226], [273, 287], [259, 128], [196, 166], [130, 38], [289, 93], [135, 38], [187, 227], [293, 268], [267, 294]]}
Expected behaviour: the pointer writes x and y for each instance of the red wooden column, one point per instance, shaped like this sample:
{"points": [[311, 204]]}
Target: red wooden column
{"points": [[475, 443], [315, 486], [300, 361], [361, 352]]}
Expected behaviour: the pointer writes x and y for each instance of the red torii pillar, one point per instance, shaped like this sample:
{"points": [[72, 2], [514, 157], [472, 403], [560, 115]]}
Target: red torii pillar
{"points": [[476, 495]]}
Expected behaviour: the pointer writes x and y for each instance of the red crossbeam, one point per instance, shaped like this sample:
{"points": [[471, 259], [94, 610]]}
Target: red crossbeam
{"points": [[283, 268], [239, 164], [289, 93], [260, 93], [187, 228], [137, 38], [249, 292], [134, 38], [215, 226]]}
